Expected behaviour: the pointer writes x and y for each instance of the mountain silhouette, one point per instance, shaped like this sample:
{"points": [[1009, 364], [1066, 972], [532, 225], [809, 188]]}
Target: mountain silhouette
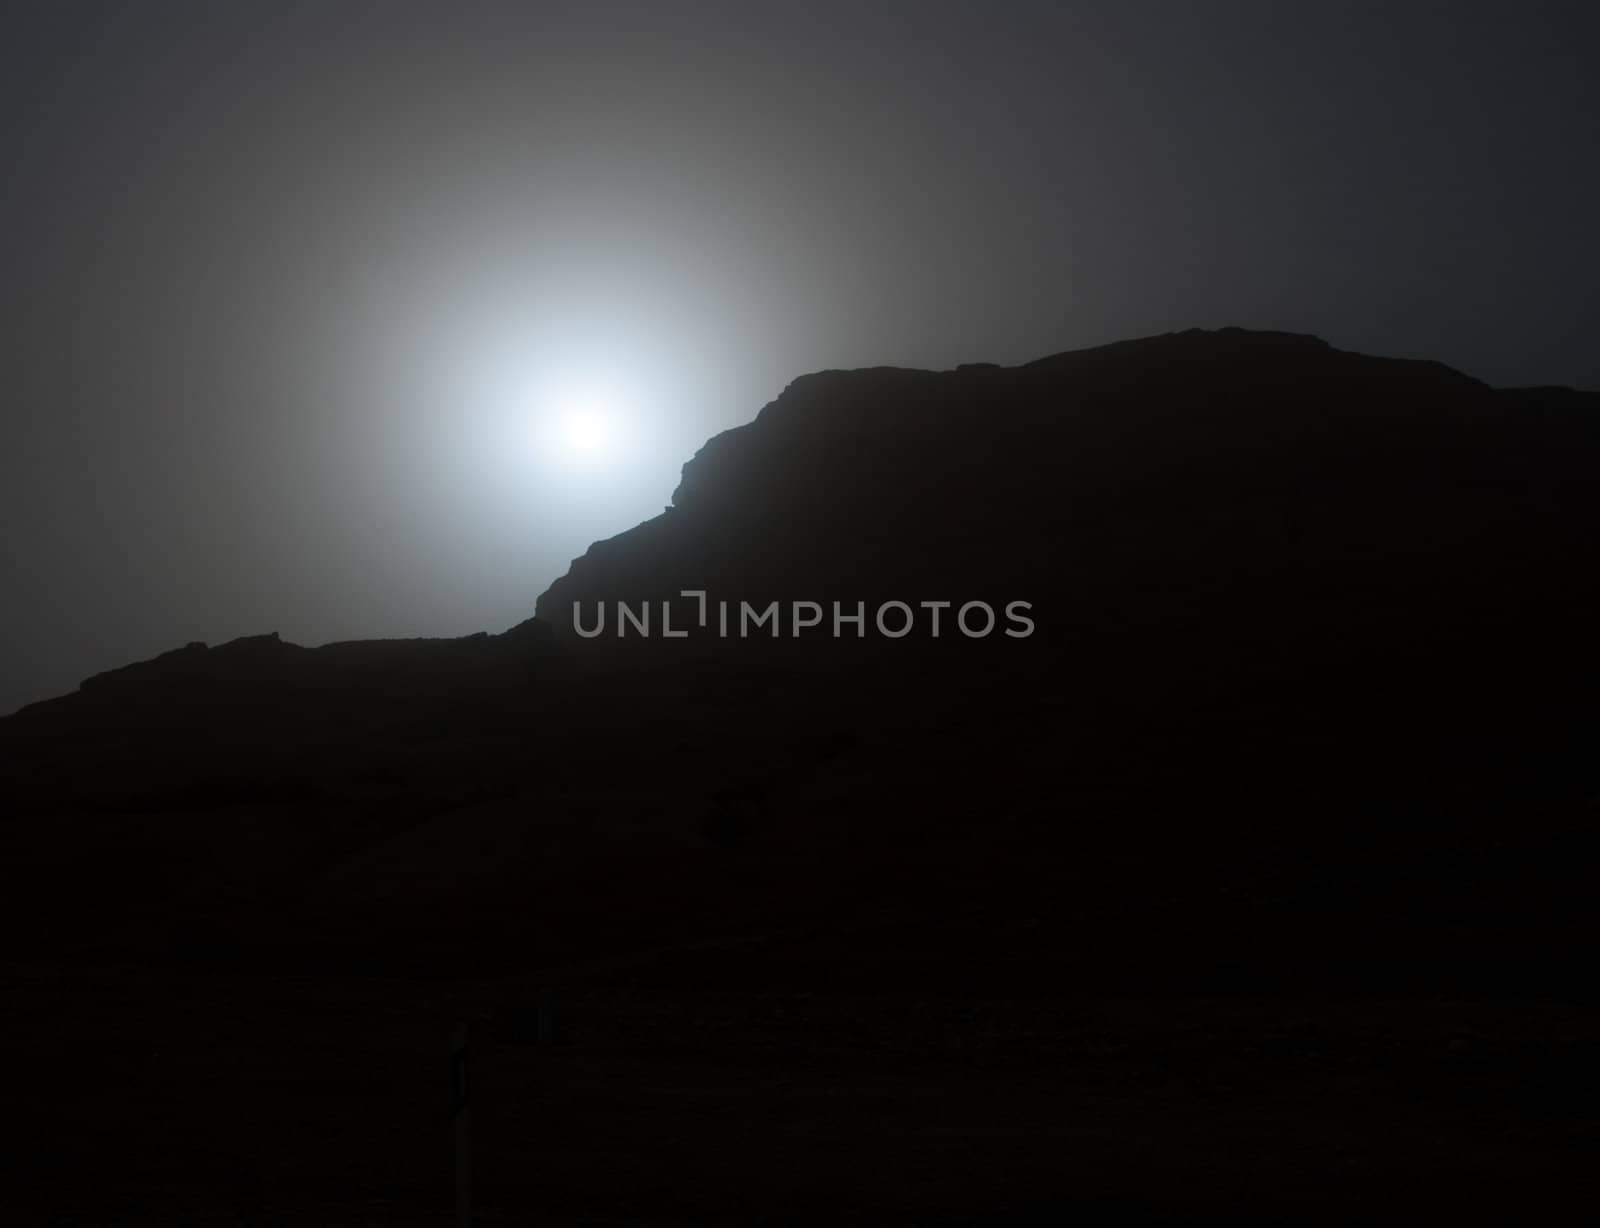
{"points": [[1276, 560], [1305, 709], [1201, 517]]}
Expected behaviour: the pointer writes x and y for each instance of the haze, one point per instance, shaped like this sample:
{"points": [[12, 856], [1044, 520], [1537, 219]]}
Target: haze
{"points": [[298, 295]]}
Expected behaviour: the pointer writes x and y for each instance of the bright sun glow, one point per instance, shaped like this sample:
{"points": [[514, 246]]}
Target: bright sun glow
{"points": [[586, 431], [585, 427]]}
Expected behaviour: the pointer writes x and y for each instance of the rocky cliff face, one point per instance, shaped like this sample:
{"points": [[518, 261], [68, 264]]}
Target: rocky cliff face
{"points": [[1296, 613], [1260, 501]]}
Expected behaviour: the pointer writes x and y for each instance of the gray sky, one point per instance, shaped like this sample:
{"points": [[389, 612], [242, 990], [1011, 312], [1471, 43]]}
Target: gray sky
{"points": [[299, 297]]}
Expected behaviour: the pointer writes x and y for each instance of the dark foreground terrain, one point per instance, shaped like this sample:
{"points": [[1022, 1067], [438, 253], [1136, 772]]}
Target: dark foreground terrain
{"points": [[1257, 885], [178, 1098]]}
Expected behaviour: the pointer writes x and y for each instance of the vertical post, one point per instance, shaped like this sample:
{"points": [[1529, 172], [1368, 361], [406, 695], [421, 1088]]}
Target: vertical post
{"points": [[459, 1089]]}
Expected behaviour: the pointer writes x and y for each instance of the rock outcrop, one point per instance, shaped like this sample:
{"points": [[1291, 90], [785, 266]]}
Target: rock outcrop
{"points": [[1231, 503], [1313, 643]]}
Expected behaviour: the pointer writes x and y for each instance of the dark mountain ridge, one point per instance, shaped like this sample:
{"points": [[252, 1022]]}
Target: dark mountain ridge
{"points": [[1254, 883], [1250, 560], [1260, 493]]}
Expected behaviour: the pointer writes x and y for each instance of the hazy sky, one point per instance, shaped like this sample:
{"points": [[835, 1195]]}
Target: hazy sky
{"points": [[297, 295]]}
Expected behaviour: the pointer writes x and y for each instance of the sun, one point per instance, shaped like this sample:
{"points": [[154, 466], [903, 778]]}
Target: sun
{"points": [[585, 427], [586, 431]]}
